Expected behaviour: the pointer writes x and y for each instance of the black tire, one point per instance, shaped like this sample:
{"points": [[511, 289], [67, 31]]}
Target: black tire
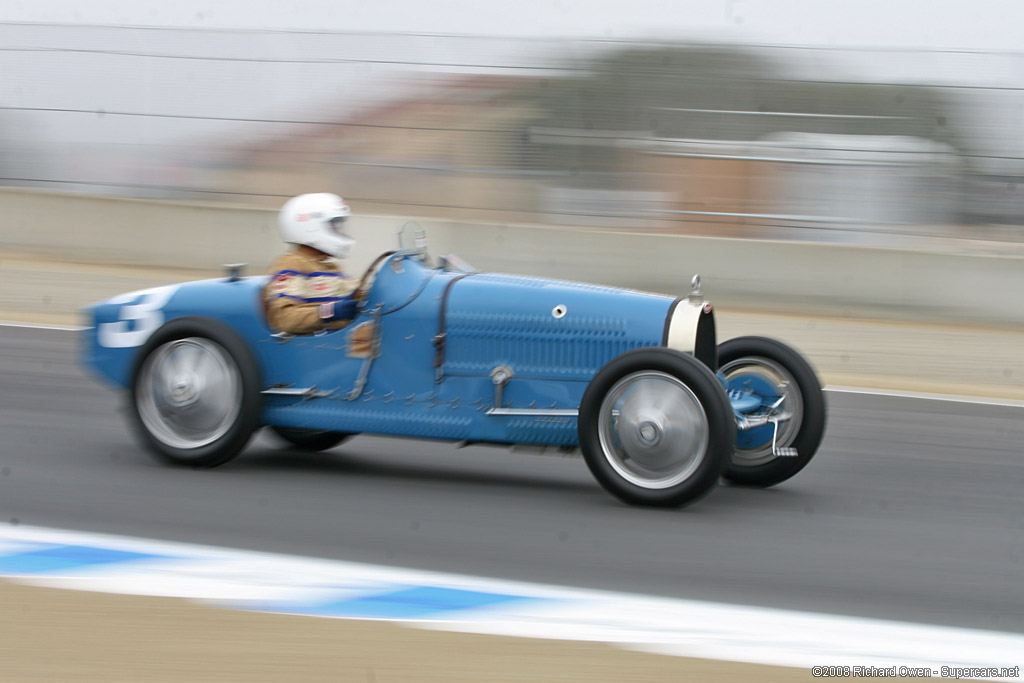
{"points": [[756, 466], [171, 416], [629, 459], [310, 439]]}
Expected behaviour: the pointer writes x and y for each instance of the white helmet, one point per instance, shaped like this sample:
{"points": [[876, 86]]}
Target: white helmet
{"points": [[316, 220]]}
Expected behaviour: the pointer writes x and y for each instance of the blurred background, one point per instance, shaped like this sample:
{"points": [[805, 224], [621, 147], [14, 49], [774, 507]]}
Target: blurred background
{"points": [[146, 143], [721, 121]]}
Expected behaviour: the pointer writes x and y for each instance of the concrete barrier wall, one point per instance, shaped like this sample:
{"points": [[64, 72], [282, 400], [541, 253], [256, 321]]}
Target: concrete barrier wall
{"points": [[134, 232], [748, 274]]}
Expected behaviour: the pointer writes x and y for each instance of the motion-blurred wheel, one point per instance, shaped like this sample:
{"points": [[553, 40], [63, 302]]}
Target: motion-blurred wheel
{"points": [[195, 395]]}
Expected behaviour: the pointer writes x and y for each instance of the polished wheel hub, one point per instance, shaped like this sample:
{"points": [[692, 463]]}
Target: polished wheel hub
{"points": [[650, 434], [653, 430], [184, 390]]}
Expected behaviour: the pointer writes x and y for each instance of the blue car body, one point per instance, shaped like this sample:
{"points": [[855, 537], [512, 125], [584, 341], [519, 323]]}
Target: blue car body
{"points": [[438, 337], [636, 380]]}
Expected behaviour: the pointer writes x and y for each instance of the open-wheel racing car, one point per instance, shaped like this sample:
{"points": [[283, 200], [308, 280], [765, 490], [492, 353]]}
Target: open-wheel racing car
{"points": [[634, 380]]}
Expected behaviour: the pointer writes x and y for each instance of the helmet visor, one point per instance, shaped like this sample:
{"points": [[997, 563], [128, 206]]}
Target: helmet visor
{"points": [[337, 225]]}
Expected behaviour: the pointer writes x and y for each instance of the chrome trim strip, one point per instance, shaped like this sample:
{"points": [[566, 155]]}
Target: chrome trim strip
{"points": [[538, 412], [295, 392]]}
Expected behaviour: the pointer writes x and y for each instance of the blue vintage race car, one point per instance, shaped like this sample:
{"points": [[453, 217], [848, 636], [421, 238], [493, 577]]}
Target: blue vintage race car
{"points": [[634, 380]]}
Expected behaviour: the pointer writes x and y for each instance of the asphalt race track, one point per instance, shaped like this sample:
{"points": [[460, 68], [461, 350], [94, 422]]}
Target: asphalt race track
{"points": [[912, 510]]}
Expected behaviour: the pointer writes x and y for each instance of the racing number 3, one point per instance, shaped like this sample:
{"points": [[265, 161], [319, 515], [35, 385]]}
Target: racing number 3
{"points": [[144, 308]]}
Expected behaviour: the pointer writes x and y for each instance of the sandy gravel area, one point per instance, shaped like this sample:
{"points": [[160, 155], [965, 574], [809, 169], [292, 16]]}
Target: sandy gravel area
{"points": [[63, 636]]}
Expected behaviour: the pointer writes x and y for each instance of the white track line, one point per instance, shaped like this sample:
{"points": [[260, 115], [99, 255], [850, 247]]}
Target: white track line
{"points": [[269, 582], [951, 398], [37, 326]]}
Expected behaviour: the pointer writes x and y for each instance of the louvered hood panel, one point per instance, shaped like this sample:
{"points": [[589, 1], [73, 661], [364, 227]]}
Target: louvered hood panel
{"points": [[545, 329]]}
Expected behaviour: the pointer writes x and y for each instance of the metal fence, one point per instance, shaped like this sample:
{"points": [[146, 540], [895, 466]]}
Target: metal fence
{"points": [[849, 145]]}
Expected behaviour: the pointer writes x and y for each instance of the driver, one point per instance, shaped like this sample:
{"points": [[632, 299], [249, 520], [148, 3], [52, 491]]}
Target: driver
{"points": [[308, 292]]}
